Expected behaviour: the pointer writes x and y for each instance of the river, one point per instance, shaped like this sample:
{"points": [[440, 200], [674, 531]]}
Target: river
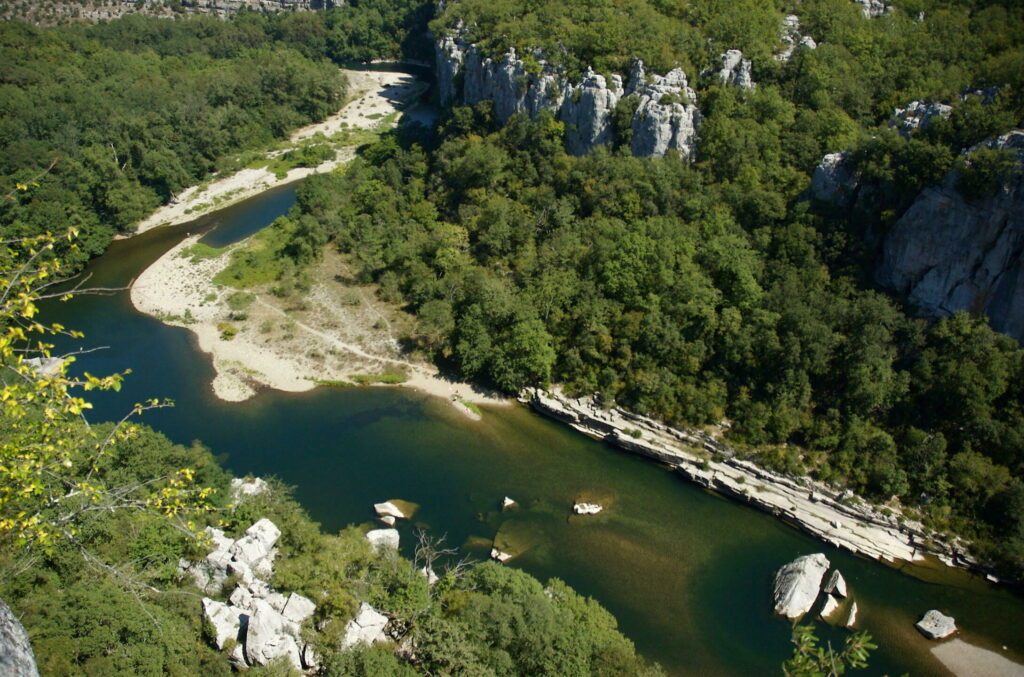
{"points": [[687, 573]]}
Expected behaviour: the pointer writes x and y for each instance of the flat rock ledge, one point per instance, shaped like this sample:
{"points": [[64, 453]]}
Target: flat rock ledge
{"points": [[936, 625], [797, 585], [834, 516]]}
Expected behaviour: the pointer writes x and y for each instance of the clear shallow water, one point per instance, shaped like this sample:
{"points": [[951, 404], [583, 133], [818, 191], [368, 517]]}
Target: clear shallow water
{"points": [[688, 574]]}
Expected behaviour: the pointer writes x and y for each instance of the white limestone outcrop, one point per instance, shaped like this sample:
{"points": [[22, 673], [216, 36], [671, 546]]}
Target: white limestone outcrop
{"points": [[366, 628]]}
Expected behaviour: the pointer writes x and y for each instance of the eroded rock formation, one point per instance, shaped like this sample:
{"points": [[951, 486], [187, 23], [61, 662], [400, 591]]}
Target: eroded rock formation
{"points": [[666, 116], [797, 585], [16, 656]]}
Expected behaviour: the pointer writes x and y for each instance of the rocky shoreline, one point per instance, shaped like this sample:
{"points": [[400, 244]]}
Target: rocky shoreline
{"points": [[836, 517]]}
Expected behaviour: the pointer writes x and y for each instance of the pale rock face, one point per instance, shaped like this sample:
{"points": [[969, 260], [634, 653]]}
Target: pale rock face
{"points": [[388, 509], [792, 38], [735, 70], [834, 182], [529, 86], [298, 608], [430, 575], [587, 112], [918, 115], [366, 628], [666, 117], [797, 585], [383, 539], [936, 625], [946, 254], [872, 9], [270, 636], [228, 622], [16, 656], [836, 584]]}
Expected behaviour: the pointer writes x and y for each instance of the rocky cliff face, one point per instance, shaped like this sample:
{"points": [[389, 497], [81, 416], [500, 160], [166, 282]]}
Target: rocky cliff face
{"points": [[64, 11], [666, 116], [16, 657], [946, 254]]}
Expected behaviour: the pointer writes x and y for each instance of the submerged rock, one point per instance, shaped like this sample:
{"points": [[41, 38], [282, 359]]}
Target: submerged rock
{"points": [[829, 608], [383, 539], [936, 625], [388, 520], [366, 628], [587, 508], [851, 618], [507, 503], [797, 585]]}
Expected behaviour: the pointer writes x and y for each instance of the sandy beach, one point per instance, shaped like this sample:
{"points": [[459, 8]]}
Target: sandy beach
{"points": [[330, 342], [372, 97], [967, 660]]}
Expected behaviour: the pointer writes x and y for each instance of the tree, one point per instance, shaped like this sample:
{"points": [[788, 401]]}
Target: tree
{"points": [[51, 476], [811, 660]]}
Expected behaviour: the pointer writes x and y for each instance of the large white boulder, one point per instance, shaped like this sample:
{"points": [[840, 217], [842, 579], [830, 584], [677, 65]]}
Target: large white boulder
{"points": [[383, 539], [298, 608], [797, 585], [936, 625], [257, 544], [227, 622], [366, 628], [500, 556], [270, 636]]}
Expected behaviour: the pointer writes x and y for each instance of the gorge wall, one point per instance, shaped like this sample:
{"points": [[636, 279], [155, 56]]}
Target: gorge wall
{"points": [[948, 253], [664, 112], [65, 11]]}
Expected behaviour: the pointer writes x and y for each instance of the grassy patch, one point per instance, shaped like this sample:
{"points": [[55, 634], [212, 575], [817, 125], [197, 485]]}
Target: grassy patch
{"points": [[472, 407], [260, 260], [389, 377], [334, 383], [201, 252], [227, 331]]}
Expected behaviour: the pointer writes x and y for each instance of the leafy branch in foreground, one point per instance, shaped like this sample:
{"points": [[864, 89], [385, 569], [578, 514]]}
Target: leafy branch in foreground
{"points": [[50, 456], [811, 660]]}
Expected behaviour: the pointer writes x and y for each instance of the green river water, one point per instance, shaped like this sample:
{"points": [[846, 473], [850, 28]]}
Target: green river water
{"points": [[687, 573]]}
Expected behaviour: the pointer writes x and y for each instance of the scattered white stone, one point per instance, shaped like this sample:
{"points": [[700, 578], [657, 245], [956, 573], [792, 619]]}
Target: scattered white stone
{"points": [[366, 628], [829, 608], [918, 115], [500, 556], [836, 584], [226, 621], [388, 509], [507, 503], [797, 585], [936, 625], [45, 367], [735, 70], [430, 575], [587, 508], [240, 489], [383, 539], [851, 619]]}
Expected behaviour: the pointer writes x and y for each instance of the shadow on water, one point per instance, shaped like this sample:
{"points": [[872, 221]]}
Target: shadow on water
{"points": [[687, 574]]}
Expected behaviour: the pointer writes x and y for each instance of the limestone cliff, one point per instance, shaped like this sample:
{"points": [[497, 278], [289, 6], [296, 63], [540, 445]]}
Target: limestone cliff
{"points": [[16, 657], [947, 254], [64, 11], [666, 116]]}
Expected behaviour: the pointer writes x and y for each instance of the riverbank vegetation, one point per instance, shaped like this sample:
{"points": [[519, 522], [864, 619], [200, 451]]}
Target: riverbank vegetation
{"points": [[95, 520], [714, 292]]}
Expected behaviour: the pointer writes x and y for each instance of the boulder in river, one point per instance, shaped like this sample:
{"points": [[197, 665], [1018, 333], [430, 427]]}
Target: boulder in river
{"points": [[829, 608], [851, 618], [797, 585], [836, 584], [507, 503], [388, 520], [383, 539], [388, 509], [936, 625], [500, 556], [587, 508]]}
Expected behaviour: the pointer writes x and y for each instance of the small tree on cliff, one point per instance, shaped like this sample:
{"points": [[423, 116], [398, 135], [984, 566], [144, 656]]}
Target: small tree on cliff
{"points": [[50, 456]]}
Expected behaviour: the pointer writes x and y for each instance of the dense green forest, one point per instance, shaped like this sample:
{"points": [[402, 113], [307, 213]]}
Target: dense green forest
{"points": [[716, 291], [127, 114]]}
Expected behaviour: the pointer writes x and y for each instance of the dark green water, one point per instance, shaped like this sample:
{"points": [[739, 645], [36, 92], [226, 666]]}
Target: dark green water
{"points": [[688, 574]]}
